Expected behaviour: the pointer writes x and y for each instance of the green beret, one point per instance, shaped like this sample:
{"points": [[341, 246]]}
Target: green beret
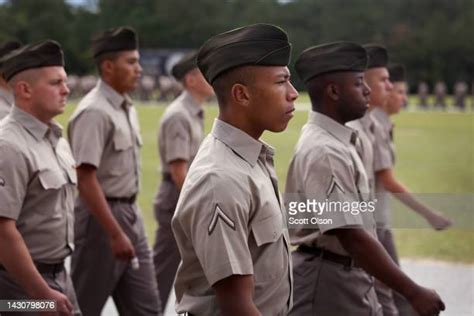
{"points": [[257, 45], [378, 56], [331, 57], [397, 72], [42, 54], [113, 40], [8, 46], [182, 67]]}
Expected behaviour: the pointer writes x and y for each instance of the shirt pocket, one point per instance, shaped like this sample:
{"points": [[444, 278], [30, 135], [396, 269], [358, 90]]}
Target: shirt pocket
{"points": [[122, 140], [271, 256], [268, 230], [51, 179]]}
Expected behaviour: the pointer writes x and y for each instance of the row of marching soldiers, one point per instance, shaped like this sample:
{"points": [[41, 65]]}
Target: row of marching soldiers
{"points": [[222, 241]]}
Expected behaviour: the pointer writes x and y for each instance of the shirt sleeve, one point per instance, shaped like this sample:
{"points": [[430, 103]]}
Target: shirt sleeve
{"points": [[177, 138], [13, 180], [88, 136], [382, 151], [214, 212], [331, 178]]}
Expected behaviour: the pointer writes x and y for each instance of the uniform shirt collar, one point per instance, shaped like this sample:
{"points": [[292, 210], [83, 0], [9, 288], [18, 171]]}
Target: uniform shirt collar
{"points": [[7, 96], [341, 132], [35, 127], [191, 105], [381, 116], [240, 142], [116, 99]]}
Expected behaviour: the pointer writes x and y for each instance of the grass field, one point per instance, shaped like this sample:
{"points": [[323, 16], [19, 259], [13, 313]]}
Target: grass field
{"points": [[435, 155]]}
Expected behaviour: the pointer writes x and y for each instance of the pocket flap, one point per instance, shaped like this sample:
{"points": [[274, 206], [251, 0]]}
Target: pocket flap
{"points": [[268, 230], [122, 141], [51, 179]]}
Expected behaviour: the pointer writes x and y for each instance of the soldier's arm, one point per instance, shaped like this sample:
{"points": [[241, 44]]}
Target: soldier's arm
{"points": [[178, 170], [373, 258], [391, 184], [235, 295], [16, 259], [92, 194]]}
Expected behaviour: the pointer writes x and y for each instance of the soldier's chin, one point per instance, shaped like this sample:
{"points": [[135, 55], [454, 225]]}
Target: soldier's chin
{"points": [[280, 128]]}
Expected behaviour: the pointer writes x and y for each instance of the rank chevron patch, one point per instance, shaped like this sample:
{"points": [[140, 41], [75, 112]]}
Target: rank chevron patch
{"points": [[333, 185], [218, 213]]}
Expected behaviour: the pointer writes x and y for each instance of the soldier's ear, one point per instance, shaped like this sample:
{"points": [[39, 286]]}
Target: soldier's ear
{"points": [[107, 66], [332, 91], [240, 94]]}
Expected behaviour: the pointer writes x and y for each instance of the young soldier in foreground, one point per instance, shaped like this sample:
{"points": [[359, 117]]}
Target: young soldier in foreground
{"points": [[37, 181], [229, 218], [181, 133], [105, 139], [334, 261]]}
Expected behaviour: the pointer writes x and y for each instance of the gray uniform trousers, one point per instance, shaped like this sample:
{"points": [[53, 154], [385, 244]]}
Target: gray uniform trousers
{"points": [[59, 281], [97, 274], [165, 251], [325, 288], [393, 302]]}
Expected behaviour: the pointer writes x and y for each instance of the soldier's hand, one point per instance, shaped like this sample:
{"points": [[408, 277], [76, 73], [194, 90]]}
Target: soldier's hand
{"points": [[438, 221], [63, 305], [122, 247], [427, 302]]}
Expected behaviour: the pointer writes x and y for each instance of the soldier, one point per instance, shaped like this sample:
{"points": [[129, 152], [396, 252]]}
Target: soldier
{"points": [[229, 219], [181, 133], [37, 181], [105, 139], [6, 98], [423, 94], [461, 91], [335, 260], [440, 95], [383, 105]]}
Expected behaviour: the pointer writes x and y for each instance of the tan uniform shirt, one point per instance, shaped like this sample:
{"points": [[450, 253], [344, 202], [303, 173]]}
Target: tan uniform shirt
{"points": [[104, 132], [181, 131], [37, 185], [326, 166], [6, 102], [365, 128], [384, 158], [229, 221]]}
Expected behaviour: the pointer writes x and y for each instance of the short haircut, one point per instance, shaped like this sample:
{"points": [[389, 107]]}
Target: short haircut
{"points": [[103, 57], [223, 84], [29, 75], [316, 86]]}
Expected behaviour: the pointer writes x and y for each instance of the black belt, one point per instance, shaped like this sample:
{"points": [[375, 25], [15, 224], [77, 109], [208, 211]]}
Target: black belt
{"points": [[45, 268], [125, 200], [346, 261]]}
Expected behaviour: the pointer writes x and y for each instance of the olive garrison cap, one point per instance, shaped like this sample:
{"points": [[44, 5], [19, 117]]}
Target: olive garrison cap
{"points": [[113, 40], [257, 45], [378, 56], [184, 65], [330, 57], [8, 46], [397, 72], [42, 54]]}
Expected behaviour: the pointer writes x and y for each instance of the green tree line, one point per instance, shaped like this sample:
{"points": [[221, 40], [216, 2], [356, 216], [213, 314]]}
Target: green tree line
{"points": [[431, 37]]}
